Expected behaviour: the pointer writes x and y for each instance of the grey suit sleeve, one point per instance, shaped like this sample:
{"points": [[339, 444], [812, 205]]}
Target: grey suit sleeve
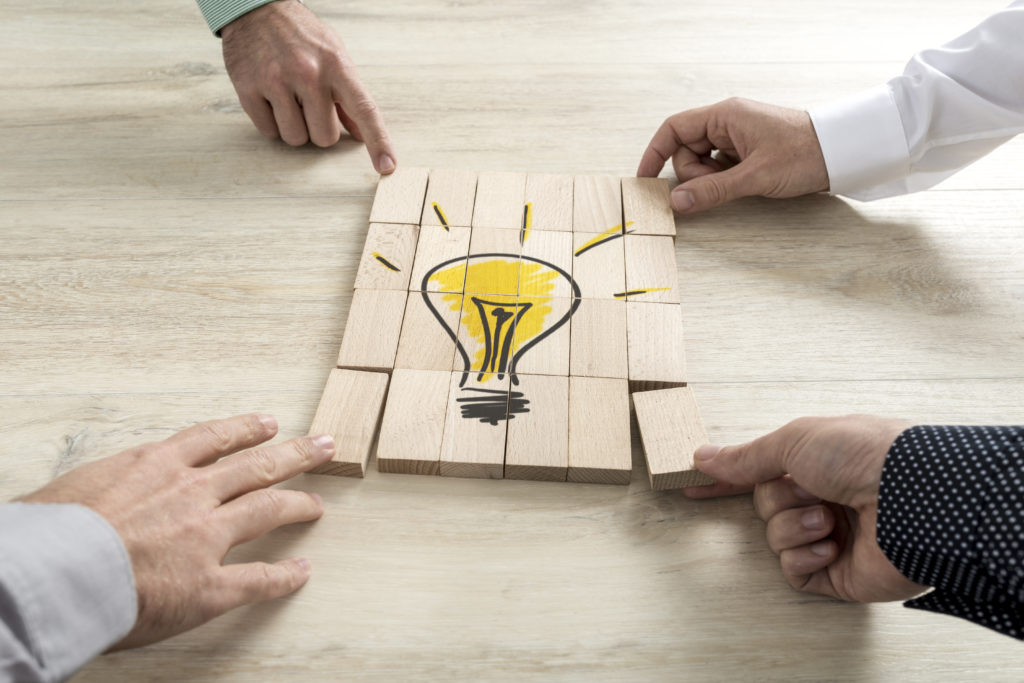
{"points": [[67, 591]]}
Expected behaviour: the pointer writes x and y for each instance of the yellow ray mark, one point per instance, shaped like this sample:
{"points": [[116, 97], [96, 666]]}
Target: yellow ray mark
{"points": [[610, 233], [440, 214], [638, 292], [384, 262]]}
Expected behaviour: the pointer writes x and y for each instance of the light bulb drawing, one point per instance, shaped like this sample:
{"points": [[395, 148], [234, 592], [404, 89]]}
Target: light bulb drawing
{"points": [[500, 327]]}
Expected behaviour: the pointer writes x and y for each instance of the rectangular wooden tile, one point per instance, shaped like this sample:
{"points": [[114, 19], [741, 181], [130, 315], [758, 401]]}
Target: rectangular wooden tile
{"points": [[646, 208], [399, 197], [596, 203], [599, 445], [499, 200], [493, 266], [474, 428], [671, 430], [540, 343], [537, 446], [427, 343], [372, 329], [651, 273], [349, 411], [598, 346], [441, 252], [654, 346], [413, 424], [388, 255], [544, 254], [549, 197], [451, 194], [599, 264]]}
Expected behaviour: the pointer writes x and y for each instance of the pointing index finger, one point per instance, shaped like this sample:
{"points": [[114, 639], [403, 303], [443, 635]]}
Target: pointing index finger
{"points": [[358, 106]]}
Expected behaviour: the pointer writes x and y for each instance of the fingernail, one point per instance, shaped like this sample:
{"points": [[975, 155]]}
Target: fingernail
{"points": [[317, 498], [325, 442], [706, 453], [385, 164], [813, 519], [802, 494], [682, 200], [303, 564], [820, 548], [268, 421]]}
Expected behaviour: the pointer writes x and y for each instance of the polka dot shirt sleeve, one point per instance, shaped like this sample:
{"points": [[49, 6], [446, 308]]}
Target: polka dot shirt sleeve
{"points": [[950, 514]]}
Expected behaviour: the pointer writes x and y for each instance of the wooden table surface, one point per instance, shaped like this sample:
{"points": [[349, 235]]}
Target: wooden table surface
{"points": [[161, 264]]}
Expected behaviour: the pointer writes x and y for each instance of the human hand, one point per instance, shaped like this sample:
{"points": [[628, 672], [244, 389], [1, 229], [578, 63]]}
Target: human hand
{"points": [[179, 508], [762, 150], [815, 483], [296, 81]]}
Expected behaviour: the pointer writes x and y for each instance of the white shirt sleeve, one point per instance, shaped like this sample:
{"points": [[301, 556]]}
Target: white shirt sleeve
{"points": [[67, 591], [952, 105]]}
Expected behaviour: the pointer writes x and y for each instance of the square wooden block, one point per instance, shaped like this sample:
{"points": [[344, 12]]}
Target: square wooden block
{"points": [[350, 410], [671, 430]]}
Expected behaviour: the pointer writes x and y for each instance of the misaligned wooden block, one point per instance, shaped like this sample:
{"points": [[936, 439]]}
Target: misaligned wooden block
{"points": [[651, 273], [372, 330], [427, 341], [350, 410], [499, 200], [537, 446], [399, 197], [388, 255], [493, 263], [596, 203], [549, 198], [441, 255], [545, 268], [474, 427], [599, 264], [654, 346], [540, 343], [646, 208], [598, 347], [599, 445], [671, 430], [451, 194], [413, 424]]}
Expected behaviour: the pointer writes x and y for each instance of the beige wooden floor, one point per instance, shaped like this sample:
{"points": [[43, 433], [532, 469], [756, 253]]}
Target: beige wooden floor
{"points": [[160, 263]]}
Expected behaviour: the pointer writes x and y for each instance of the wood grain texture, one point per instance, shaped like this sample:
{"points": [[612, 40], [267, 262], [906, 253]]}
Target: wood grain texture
{"points": [[413, 423], [438, 246], [599, 443], [495, 268], [671, 430], [350, 410], [596, 203], [499, 200], [550, 198], [451, 193], [598, 345], [424, 343], [646, 208], [539, 279], [387, 258], [472, 447], [651, 269], [550, 355], [599, 264], [399, 196], [654, 346], [372, 330], [537, 445]]}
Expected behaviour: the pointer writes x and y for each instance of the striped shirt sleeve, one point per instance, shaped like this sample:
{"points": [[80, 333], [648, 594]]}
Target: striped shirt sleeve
{"points": [[220, 13]]}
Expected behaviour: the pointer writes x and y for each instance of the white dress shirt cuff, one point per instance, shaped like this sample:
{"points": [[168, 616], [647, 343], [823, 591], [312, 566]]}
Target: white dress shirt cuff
{"points": [[863, 141]]}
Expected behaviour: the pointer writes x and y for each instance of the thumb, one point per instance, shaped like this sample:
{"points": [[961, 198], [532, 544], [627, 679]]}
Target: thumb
{"points": [[714, 189], [748, 464]]}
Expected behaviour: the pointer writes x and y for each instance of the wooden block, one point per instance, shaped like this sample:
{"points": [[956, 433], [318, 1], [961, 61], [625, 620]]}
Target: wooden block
{"points": [[399, 197], [413, 424], [545, 268], [596, 203], [450, 197], [349, 411], [654, 346], [485, 336], [388, 255], [651, 273], [427, 342], [598, 347], [549, 201], [599, 264], [493, 264], [499, 200], [537, 446], [671, 430], [646, 208], [599, 444], [372, 330], [441, 254], [474, 428], [540, 343]]}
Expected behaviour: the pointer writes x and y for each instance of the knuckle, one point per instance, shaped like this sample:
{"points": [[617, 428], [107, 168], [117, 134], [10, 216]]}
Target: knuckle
{"points": [[269, 502], [306, 69], [262, 466], [365, 108], [217, 434]]}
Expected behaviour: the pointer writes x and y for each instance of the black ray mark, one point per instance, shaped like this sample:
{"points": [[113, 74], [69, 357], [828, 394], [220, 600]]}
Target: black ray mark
{"points": [[387, 264], [440, 216]]}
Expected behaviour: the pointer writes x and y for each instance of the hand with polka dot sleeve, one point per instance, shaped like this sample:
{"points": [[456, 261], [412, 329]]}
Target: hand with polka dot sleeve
{"points": [[870, 509]]}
